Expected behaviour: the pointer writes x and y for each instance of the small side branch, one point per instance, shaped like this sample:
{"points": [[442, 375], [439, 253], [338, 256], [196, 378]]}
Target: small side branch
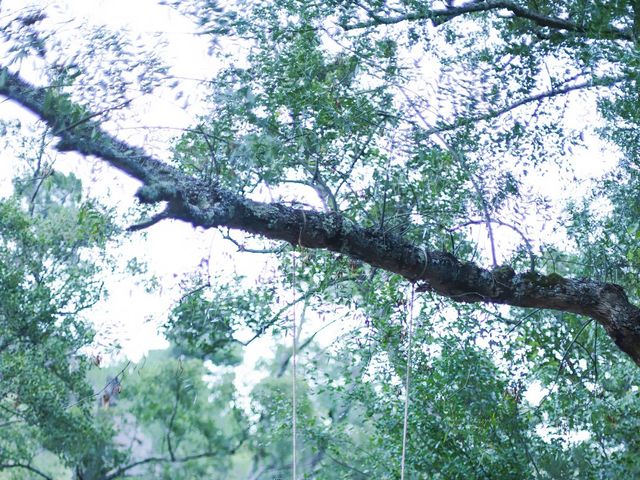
{"points": [[243, 248], [89, 117], [148, 223], [532, 260]]}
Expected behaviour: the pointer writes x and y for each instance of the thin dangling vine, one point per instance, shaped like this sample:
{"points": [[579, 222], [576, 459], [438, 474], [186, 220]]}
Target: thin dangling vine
{"points": [[407, 385], [293, 372]]}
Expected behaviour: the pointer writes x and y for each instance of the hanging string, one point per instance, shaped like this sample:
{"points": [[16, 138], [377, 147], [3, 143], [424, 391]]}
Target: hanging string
{"points": [[293, 372], [407, 384]]}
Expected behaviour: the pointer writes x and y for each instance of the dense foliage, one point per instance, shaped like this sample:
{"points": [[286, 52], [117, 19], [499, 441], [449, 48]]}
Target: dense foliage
{"points": [[464, 133]]}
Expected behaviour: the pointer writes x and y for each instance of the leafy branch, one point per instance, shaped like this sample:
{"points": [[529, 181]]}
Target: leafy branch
{"points": [[442, 15], [211, 205]]}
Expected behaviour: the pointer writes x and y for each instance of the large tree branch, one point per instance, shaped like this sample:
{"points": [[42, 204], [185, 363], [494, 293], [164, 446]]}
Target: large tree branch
{"points": [[442, 15], [211, 205]]}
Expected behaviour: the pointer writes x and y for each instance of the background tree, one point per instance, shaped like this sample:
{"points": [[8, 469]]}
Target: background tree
{"points": [[47, 229]]}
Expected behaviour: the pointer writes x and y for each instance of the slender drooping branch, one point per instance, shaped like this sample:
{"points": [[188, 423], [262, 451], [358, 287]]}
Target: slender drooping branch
{"points": [[441, 15], [210, 205], [189, 458], [24, 466], [498, 112], [223, 452]]}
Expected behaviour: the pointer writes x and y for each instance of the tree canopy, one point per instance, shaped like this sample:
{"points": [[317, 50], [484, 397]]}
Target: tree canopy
{"points": [[387, 158]]}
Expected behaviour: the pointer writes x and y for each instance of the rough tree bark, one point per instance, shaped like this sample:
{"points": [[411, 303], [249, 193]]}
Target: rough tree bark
{"points": [[211, 205]]}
